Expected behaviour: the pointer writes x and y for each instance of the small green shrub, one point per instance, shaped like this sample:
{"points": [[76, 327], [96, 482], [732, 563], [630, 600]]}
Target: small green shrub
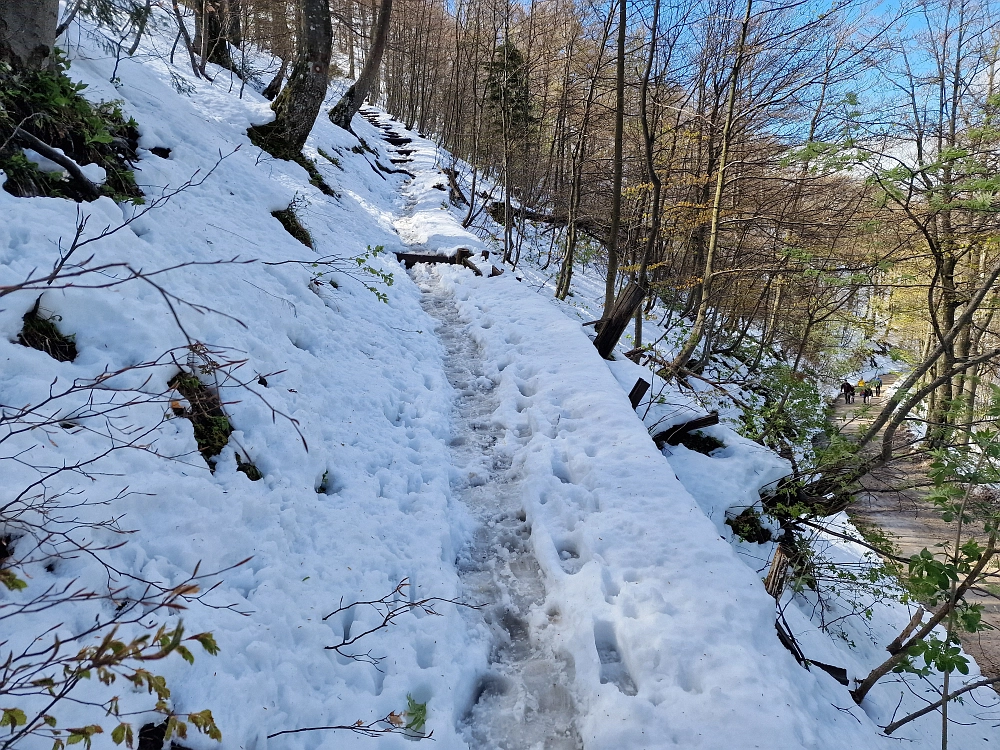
{"points": [[748, 527], [290, 221], [332, 159], [248, 468], [211, 425], [416, 714], [42, 334], [786, 409], [49, 106]]}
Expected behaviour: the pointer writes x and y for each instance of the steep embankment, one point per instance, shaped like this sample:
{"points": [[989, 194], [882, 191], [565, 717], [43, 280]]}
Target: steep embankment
{"points": [[662, 634]]}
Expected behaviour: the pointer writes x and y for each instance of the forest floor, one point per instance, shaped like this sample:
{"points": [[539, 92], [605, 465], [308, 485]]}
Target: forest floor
{"points": [[894, 499]]}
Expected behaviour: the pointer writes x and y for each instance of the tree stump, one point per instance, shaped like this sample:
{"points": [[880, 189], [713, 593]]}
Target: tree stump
{"points": [[612, 328]]}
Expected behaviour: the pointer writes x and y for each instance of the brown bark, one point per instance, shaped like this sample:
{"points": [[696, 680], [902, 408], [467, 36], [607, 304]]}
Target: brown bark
{"points": [[616, 196], [216, 26], [613, 325], [343, 112], [28, 33], [299, 103]]}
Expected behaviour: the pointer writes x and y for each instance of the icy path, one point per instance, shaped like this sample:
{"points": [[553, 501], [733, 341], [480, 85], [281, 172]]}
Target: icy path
{"points": [[524, 702]]}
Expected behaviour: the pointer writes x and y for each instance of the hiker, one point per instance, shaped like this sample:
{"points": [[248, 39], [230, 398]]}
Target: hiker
{"points": [[861, 385], [848, 390], [866, 394], [877, 385]]}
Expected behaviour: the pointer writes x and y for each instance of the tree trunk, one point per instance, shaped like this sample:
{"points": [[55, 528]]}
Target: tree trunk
{"points": [[614, 324], [214, 29], [28, 33], [698, 330], [271, 90], [299, 103], [343, 112], [649, 142], [616, 196]]}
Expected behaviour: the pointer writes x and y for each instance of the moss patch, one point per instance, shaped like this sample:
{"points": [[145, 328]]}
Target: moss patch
{"points": [[292, 225], [211, 425], [248, 468], [332, 159], [748, 527], [315, 178], [270, 138], [50, 106], [42, 334]]}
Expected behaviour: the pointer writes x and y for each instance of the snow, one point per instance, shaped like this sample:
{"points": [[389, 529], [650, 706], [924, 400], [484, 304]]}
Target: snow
{"points": [[92, 172], [649, 618]]}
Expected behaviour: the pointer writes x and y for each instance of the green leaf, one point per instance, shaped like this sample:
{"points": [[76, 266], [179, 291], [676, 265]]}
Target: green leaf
{"points": [[207, 641], [99, 138], [417, 714], [185, 654], [122, 733], [11, 581], [13, 717], [204, 722]]}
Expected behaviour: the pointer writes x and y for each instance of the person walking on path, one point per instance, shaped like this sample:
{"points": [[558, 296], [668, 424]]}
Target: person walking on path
{"points": [[866, 394], [848, 390], [876, 383]]}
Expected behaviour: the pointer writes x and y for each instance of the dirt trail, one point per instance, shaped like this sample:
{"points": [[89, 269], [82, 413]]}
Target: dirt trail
{"points": [[894, 499]]}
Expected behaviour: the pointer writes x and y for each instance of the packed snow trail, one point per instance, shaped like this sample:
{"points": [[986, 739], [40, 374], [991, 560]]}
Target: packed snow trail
{"points": [[524, 701]]}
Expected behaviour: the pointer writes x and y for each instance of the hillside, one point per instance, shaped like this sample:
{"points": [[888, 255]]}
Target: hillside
{"points": [[449, 447]]}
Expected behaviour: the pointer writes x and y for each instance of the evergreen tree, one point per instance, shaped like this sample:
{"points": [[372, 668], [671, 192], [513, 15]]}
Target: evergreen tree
{"points": [[507, 89]]}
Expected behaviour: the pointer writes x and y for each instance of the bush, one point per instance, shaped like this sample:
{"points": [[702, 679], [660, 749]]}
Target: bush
{"points": [[50, 106]]}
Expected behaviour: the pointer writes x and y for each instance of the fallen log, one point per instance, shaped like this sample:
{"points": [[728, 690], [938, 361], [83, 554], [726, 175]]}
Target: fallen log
{"points": [[458, 259], [456, 196], [672, 435], [88, 188], [592, 227]]}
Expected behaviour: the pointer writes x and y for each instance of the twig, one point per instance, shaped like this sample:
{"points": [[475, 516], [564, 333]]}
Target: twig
{"points": [[386, 725], [890, 728], [390, 607]]}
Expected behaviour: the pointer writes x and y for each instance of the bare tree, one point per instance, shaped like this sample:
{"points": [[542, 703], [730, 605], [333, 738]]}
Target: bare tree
{"points": [[343, 112]]}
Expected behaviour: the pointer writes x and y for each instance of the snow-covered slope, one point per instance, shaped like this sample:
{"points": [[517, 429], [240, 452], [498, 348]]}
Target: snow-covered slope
{"points": [[666, 631]]}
